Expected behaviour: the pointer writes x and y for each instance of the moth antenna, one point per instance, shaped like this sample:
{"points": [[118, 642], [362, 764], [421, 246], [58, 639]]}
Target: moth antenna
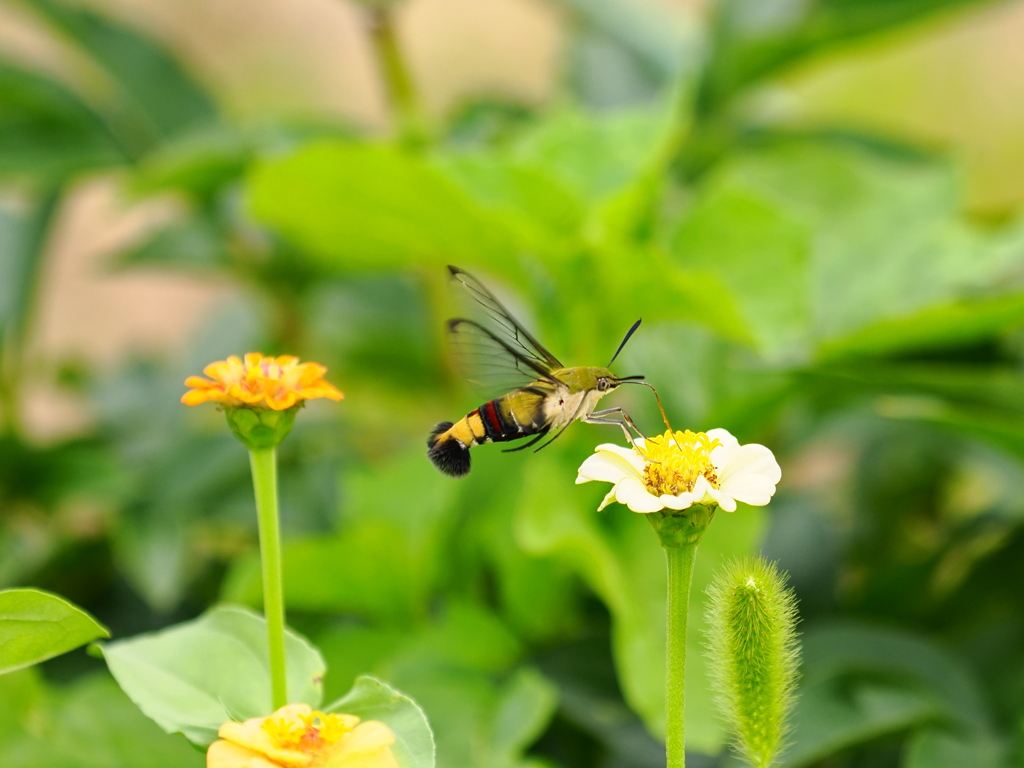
{"points": [[628, 334]]}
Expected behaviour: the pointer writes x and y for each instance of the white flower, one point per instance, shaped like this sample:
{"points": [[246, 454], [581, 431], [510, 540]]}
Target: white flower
{"points": [[677, 470]]}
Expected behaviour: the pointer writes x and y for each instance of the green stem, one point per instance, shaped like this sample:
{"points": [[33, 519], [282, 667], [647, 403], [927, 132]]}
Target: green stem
{"points": [[680, 574], [264, 478], [401, 90]]}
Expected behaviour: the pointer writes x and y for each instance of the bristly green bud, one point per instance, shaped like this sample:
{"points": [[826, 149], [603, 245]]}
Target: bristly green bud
{"points": [[754, 655], [260, 428]]}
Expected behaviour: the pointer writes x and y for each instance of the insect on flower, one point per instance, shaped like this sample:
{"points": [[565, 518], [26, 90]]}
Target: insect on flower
{"points": [[545, 395]]}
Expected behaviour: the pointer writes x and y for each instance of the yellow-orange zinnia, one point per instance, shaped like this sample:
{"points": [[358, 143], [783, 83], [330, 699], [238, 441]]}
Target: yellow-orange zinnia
{"points": [[297, 736], [277, 383]]}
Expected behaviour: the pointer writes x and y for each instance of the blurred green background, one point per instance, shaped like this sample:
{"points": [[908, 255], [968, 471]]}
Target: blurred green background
{"points": [[813, 204]]}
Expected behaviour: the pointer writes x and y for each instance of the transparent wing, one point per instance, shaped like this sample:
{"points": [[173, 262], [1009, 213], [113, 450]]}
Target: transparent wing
{"points": [[496, 354], [502, 327], [489, 362]]}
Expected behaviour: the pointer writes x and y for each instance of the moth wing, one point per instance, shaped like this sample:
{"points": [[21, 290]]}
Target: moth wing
{"points": [[490, 363], [499, 321]]}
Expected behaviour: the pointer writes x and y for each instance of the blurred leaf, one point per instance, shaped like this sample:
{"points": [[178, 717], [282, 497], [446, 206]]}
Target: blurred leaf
{"points": [[90, 724], [174, 492], [371, 699], [524, 710], [752, 40], [460, 668], [36, 625], [650, 35], [468, 711], [22, 694], [23, 241], [940, 748], [193, 677], [199, 163], [539, 597], [545, 212], [717, 237], [606, 74], [194, 243], [595, 157], [154, 97], [466, 637], [829, 719], [861, 682], [384, 564], [47, 132], [620, 558], [863, 253], [590, 698], [373, 206], [956, 323], [351, 650]]}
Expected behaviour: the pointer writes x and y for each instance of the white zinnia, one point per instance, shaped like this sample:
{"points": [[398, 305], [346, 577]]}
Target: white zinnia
{"points": [[685, 468]]}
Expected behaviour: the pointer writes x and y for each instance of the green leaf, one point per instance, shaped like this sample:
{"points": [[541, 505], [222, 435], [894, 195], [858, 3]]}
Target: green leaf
{"points": [[23, 241], [649, 33], [90, 724], [862, 682], [829, 718], [193, 677], [947, 748], [840, 251], [22, 695], [595, 157], [371, 699], [385, 562], [961, 322], [544, 211], [198, 163], [374, 206], [461, 669], [47, 132], [37, 625], [193, 243], [718, 236], [526, 707], [153, 95], [753, 40]]}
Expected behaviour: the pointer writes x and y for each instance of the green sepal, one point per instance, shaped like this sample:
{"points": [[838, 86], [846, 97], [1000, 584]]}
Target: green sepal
{"points": [[260, 428], [680, 527]]}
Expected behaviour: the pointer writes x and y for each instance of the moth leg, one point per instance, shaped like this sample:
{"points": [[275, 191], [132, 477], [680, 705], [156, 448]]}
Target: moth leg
{"points": [[605, 417], [540, 436]]}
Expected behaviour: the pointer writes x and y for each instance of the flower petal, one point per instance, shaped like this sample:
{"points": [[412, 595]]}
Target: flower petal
{"points": [[608, 498], [724, 437], [368, 746], [262, 382], [224, 754], [606, 466], [253, 736], [683, 500], [751, 475], [634, 494]]}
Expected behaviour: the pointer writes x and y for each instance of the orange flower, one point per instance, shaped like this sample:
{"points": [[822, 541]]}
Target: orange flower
{"points": [[296, 736], [277, 383]]}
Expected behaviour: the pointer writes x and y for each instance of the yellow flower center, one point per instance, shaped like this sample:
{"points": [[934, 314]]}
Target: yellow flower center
{"points": [[306, 733], [673, 462]]}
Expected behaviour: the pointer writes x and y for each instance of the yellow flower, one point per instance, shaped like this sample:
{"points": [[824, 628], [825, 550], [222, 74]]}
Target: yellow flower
{"points": [[678, 470], [297, 736], [277, 383]]}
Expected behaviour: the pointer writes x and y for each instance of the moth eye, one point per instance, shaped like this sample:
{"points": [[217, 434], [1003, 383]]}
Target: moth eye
{"points": [[602, 384]]}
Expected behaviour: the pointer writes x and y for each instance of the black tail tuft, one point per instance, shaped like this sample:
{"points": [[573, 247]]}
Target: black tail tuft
{"points": [[439, 429], [450, 455]]}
